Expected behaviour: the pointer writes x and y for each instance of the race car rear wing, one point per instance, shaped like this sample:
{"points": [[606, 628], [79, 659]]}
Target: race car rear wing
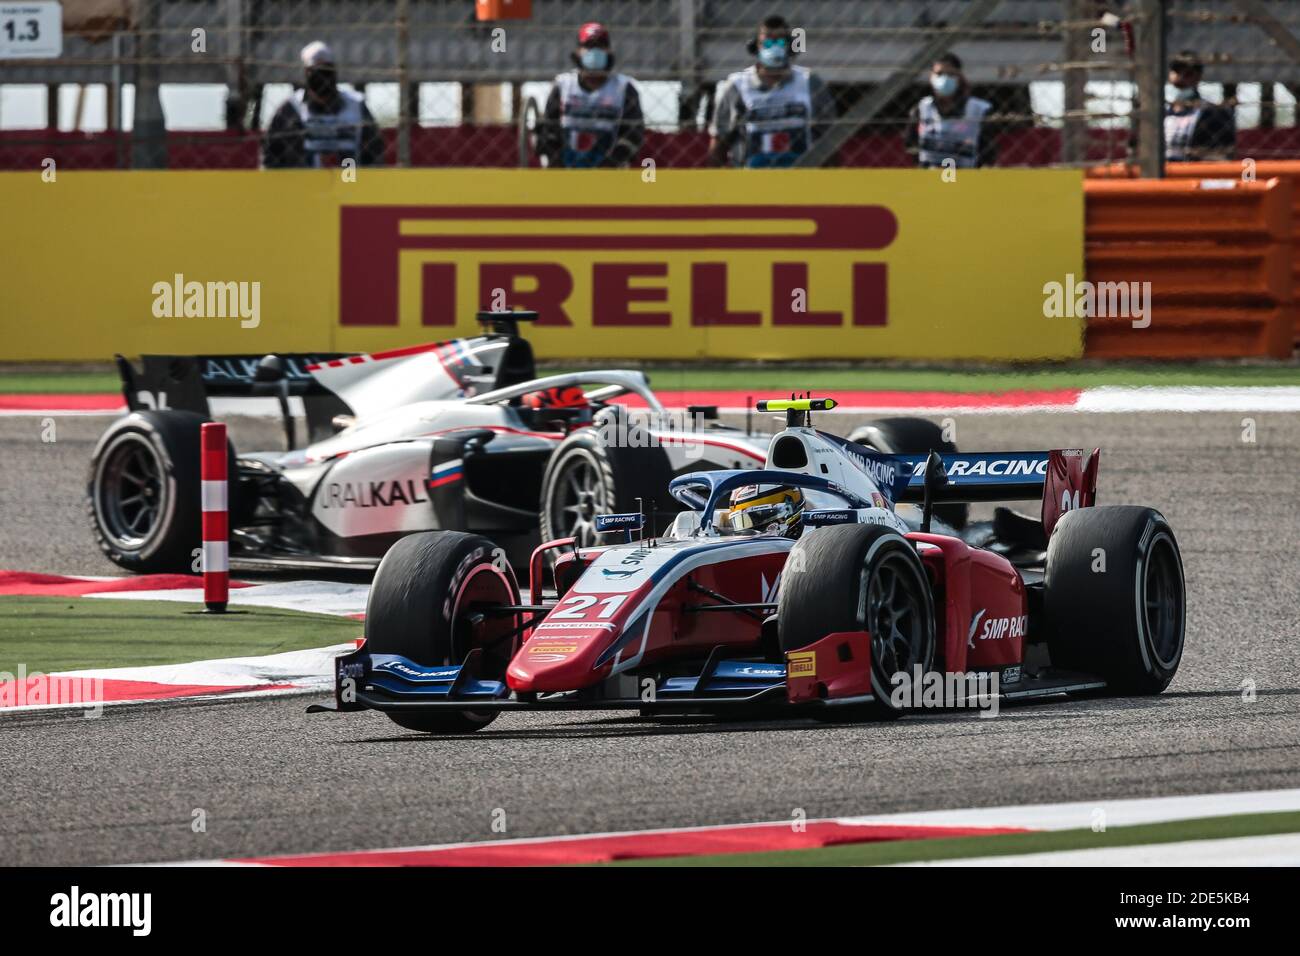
{"points": [[1062, 479], [980, 476], [187, 381]]}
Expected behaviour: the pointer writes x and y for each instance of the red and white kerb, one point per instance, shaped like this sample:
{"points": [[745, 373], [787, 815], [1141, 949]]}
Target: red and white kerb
{"points": [[216, 521]]}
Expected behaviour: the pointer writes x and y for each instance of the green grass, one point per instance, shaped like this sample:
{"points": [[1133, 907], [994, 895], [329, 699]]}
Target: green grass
{"points": [[907, 851], [37, 383], [58, 634], [781, 377]]}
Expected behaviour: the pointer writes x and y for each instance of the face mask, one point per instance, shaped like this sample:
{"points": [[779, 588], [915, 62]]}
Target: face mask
{"points": [[1185, 93], [774, 54], [322, 83], [594, 59], [944, 84]]}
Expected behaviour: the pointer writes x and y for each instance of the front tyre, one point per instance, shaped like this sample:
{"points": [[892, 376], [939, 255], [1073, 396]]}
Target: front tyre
{"points": [[423, 604], [860, 578], [1114, 597]]}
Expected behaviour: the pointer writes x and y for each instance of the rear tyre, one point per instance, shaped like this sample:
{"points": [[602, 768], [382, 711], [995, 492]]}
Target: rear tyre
{"points": [[420, 604], [590, 475], [143, 495], [1114, 597], [853, 578], [913, 436]]}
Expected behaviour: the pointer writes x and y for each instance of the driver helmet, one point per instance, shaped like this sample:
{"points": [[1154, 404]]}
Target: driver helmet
{"points": [[563, 397], [767, 509]]}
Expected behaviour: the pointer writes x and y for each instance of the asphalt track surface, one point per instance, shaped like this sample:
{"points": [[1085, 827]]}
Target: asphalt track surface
{"points": [[270, 779]]}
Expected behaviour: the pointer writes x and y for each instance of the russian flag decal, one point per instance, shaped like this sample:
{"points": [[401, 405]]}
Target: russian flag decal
{"points": [[447, 472]]}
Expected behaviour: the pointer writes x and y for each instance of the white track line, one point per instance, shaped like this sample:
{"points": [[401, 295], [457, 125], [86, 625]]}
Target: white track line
{"points": [[313, 667], [1113, 813], [1254, 398], [317, 597]]}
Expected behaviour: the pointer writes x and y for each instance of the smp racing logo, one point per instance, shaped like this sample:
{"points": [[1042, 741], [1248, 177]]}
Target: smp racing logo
{"points": [[674, 245]]}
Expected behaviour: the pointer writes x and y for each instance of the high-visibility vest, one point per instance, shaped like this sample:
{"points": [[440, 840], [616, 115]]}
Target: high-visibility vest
{"points": [[1179, 128], [329, 138], [778, 119], [589, 119], [950, 137]]}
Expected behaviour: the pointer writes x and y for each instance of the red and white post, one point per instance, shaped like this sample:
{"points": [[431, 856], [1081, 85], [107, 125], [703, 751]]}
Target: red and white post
{"points": [[216, 520]]}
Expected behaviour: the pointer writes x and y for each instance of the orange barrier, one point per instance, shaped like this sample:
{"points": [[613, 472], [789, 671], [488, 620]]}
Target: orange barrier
{"points": [[1257, 170], [1219, 256]]}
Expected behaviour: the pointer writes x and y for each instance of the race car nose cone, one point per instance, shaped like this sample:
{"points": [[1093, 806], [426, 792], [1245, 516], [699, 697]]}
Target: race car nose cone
{"points": [[553, 662]]}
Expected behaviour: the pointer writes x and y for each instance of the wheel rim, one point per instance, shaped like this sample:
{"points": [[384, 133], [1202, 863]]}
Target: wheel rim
{"points": [[896, 617], [484, 586], [579, 494], [131, 496], [1162, 595]]}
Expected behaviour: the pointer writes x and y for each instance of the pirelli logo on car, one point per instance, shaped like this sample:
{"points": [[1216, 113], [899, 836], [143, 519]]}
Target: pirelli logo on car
{"points": [[800, 664], [672, 261]]}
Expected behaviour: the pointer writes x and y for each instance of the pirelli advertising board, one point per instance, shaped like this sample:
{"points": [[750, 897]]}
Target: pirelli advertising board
{"points": [[781, 264]]}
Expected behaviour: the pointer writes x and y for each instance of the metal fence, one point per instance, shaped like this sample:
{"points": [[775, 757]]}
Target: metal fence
{"points": [[192, 83]]}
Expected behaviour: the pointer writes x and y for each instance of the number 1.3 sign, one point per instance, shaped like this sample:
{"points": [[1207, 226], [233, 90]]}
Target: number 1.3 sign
{"points": [[30, 31]]}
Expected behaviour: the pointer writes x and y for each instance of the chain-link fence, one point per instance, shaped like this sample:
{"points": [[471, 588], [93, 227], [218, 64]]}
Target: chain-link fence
{"points": [[197, 83]]}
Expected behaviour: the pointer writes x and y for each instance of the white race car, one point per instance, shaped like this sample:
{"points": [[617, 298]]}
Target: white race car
{"points": [[453, 435], [458, 435]]}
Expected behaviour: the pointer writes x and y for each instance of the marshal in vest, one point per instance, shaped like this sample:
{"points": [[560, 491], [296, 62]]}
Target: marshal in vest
{"points": [[589, 119], [778, 119], [950, 137], [330, 138], [1179, 130]]}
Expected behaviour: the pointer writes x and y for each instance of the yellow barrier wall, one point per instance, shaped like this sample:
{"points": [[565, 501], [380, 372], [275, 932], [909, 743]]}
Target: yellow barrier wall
{"points": [[717, 263]]}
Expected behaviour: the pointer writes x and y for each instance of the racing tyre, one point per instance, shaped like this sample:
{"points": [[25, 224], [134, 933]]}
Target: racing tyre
{"points": [[1114, 597], [913, 436], [143, 496], [853, 578], [588, 476], [420, 607]]}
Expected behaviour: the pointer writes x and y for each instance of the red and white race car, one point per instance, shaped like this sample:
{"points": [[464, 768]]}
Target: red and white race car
{"points": [[793, 588]]}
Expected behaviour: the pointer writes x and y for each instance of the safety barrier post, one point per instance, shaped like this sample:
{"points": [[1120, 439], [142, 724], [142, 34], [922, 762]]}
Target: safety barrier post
{"points": [[216, 521]]}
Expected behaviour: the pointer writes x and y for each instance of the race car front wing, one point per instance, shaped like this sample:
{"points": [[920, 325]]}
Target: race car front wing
{"points": [[389, 682], [831, 673]]}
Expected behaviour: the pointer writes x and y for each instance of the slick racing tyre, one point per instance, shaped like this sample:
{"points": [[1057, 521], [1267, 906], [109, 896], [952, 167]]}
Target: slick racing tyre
{"points": [[1114, 597], [143, 496], [913, 436], [590, 475], [854, 578], [422, 604]]}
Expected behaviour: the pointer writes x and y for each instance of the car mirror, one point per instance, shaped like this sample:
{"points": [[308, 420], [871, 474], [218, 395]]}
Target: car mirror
{"points": [[269, 369]]}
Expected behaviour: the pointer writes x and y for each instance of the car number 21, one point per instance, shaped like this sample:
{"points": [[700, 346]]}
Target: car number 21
{"points": [[575, 607]]}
